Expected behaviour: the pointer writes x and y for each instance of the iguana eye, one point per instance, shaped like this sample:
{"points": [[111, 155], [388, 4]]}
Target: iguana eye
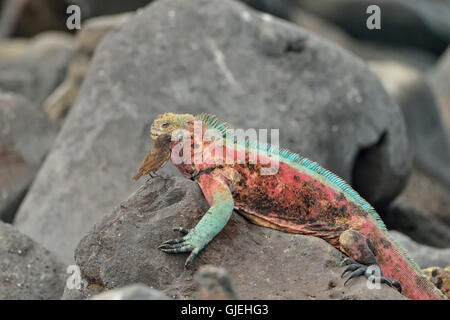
{"points": [[165, 125]]}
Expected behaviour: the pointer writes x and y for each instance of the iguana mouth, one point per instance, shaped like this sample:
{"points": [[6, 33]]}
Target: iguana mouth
{"points": [[154, 136], [154, 133]]}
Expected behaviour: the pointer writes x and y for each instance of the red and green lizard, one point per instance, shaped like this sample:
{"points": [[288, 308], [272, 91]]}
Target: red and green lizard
{"points": [[299, 197]]}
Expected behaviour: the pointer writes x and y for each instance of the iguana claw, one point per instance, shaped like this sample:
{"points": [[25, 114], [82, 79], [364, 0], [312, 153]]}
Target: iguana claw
{"points": [[190, 242], [359, 269]]}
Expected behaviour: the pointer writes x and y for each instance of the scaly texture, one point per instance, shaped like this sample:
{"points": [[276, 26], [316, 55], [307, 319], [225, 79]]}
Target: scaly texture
{"points": [[298, 196]]}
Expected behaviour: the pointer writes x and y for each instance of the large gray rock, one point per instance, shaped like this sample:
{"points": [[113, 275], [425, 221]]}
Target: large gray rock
{"points": [[263, 263], [223, 58], [425, 256], [25, 138], [27, 270]]}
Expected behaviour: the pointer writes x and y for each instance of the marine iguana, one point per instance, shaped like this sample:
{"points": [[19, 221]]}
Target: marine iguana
{"points": [[299, 197]]}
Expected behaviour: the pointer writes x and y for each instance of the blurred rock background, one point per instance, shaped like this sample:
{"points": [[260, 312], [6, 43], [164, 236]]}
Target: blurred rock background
{"points": [[75, 109]]}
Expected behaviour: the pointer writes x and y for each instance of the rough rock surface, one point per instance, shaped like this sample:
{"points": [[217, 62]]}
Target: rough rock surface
{"points": [[425, 256], [37, 67], [263, 263], [27, 270], [132, 292], [221, 57], [25, 138]]}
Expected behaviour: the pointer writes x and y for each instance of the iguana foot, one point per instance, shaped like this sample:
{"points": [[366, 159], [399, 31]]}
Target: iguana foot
{"points": [[190, 242], [372, 270]]}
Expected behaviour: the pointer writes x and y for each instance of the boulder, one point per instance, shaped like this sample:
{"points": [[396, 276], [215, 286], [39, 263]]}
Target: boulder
{"points": [[439, 79], [424, 256], [58, 104], [429, 196], [27, 270], [263, 263], [25, 138], [23, 18], [38, 66], [427, 135], [220, 57], [380, 51], [417, 224], [414, 23], [26, 19]]}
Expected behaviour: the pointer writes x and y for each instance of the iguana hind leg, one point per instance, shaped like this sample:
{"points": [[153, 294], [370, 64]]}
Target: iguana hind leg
{"points": [[218, 195], [362, 259]]}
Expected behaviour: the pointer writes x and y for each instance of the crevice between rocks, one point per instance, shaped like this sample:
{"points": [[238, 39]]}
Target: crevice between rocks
{"points": [[366, 167]]}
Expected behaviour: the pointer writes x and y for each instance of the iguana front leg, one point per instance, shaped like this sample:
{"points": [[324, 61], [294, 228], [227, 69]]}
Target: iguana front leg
{"points": [[219, 197]]}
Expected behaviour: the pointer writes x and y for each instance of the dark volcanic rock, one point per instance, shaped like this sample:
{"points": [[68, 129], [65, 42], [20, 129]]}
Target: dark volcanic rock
{"points": [[367, 50], [427, 135], [27, 270], [263, 263], [220, 57], [425, 256], [415, 23], [30, 19], [25, 138], [417, 224], [428, 195]]}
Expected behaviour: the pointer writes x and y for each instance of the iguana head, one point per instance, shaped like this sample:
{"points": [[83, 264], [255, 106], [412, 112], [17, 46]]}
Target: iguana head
{"points": [[167, 123]]}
